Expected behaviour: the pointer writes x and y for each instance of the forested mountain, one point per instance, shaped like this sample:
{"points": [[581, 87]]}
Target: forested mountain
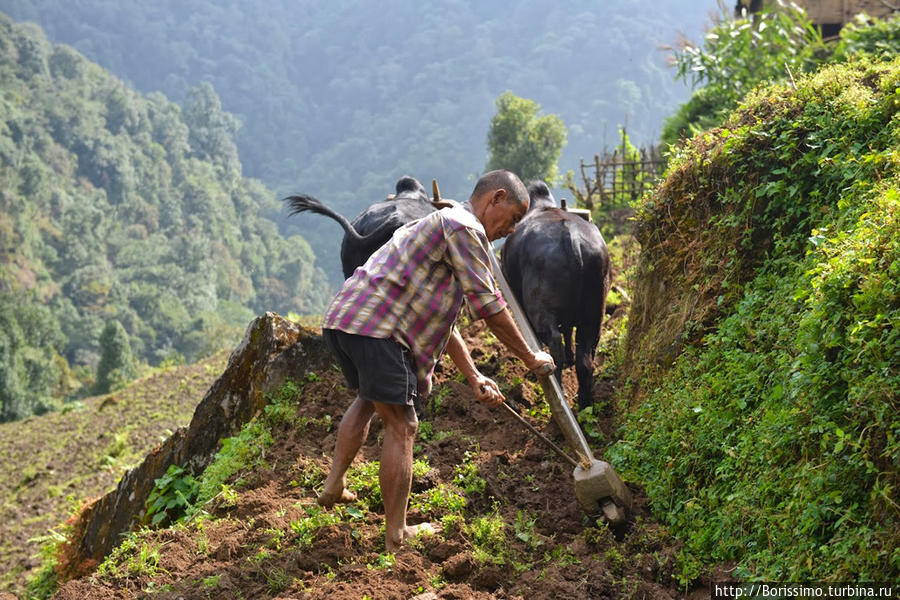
{"points": [[339, 99], [118, 207]]}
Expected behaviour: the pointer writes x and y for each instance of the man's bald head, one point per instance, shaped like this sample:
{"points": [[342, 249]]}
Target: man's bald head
{"points": [[499, 201], [502, 180]]}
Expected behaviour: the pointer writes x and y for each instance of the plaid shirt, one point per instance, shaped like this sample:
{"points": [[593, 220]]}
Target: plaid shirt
{"points": [[412, 288]]}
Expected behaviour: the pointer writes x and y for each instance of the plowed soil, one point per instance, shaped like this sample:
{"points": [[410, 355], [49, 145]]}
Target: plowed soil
{"points": [[551, 549]]}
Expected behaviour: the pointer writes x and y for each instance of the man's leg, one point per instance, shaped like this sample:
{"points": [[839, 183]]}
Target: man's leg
{"points": [[351, 434], [400, 425]]}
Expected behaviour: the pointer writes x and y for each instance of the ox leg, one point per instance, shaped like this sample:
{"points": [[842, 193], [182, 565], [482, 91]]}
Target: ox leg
{"points": [[548, 333], [570, 346], [586, 339]]}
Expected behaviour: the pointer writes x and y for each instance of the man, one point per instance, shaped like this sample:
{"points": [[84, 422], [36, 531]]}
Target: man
{"points": [[394, 317]]}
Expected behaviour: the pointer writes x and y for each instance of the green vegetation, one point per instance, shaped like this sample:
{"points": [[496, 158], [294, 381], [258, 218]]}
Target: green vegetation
{"points": [[136, 556], [523, 142], [363, 479], [439, 500], [262, 533], [42, 584], [769, 366], [126, 226], [237, 453], [316, 517], [116, 367], [171, 496], [31, 370], [879, 38], [246, 450], [775, 44], [760, 374], [467, 477], [488, 534], [525, 530]]}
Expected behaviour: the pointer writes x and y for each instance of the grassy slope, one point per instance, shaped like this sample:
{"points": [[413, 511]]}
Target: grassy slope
{"points": [[57, 460], [764, 334]]}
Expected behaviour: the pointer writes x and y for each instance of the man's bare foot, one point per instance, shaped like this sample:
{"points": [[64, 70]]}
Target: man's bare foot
{"points": [[328, 500], [411, 532]]}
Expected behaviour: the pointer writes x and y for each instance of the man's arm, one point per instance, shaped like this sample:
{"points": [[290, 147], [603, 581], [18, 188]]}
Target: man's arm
{"points": [[486, 389]]}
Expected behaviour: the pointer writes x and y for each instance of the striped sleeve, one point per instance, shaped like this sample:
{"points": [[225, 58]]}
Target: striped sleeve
{"points": [[468, 257]]}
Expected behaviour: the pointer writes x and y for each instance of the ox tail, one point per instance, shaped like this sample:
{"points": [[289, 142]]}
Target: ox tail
{"points": [[304, 203]]}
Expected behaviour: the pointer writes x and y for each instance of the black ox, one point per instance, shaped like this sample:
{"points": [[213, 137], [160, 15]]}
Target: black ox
{"points": [[376, 224], [557, 265]]}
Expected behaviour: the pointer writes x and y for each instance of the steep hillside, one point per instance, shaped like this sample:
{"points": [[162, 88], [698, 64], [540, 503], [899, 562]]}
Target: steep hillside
{"points": [[763, 353], [54, 462], [115, 206], [512, 528]]}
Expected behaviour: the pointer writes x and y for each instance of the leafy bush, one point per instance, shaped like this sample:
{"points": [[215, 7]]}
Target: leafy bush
{"points": [[879, 38], [44, 582], [523, 142], [137, 556], [171, 497], [488, 535], [772, 45], [316, 518], [439, 500], [31, 370], [466, 475]]}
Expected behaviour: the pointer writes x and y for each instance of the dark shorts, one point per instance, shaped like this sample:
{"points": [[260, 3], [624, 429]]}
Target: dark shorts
{"points": [[381, 369]]}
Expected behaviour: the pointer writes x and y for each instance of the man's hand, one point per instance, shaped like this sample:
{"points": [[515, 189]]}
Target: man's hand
{"points": [[486, 390], [541, 364]]}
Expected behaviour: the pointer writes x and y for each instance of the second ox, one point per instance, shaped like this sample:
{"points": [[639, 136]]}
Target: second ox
{"points": [[557, 265], [375, 225]]}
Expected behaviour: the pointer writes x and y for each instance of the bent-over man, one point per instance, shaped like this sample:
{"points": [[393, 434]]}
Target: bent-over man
{"points": [[394, 318]]}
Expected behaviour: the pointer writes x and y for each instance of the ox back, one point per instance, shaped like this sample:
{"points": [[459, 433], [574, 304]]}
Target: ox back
{"points": [[557, 265], [374, 226]]}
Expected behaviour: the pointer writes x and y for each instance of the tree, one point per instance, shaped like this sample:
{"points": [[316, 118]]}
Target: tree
{"points": [[12, 391], [523, 142], [212, 130], [30, 368], [116, 366]]}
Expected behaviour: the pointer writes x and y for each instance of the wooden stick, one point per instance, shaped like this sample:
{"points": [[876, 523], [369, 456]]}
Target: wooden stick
{"points": [[562, 453]]}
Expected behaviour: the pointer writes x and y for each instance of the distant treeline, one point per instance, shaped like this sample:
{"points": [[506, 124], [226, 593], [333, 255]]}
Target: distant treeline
{"points": [[339, 99], [119, 207]]}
